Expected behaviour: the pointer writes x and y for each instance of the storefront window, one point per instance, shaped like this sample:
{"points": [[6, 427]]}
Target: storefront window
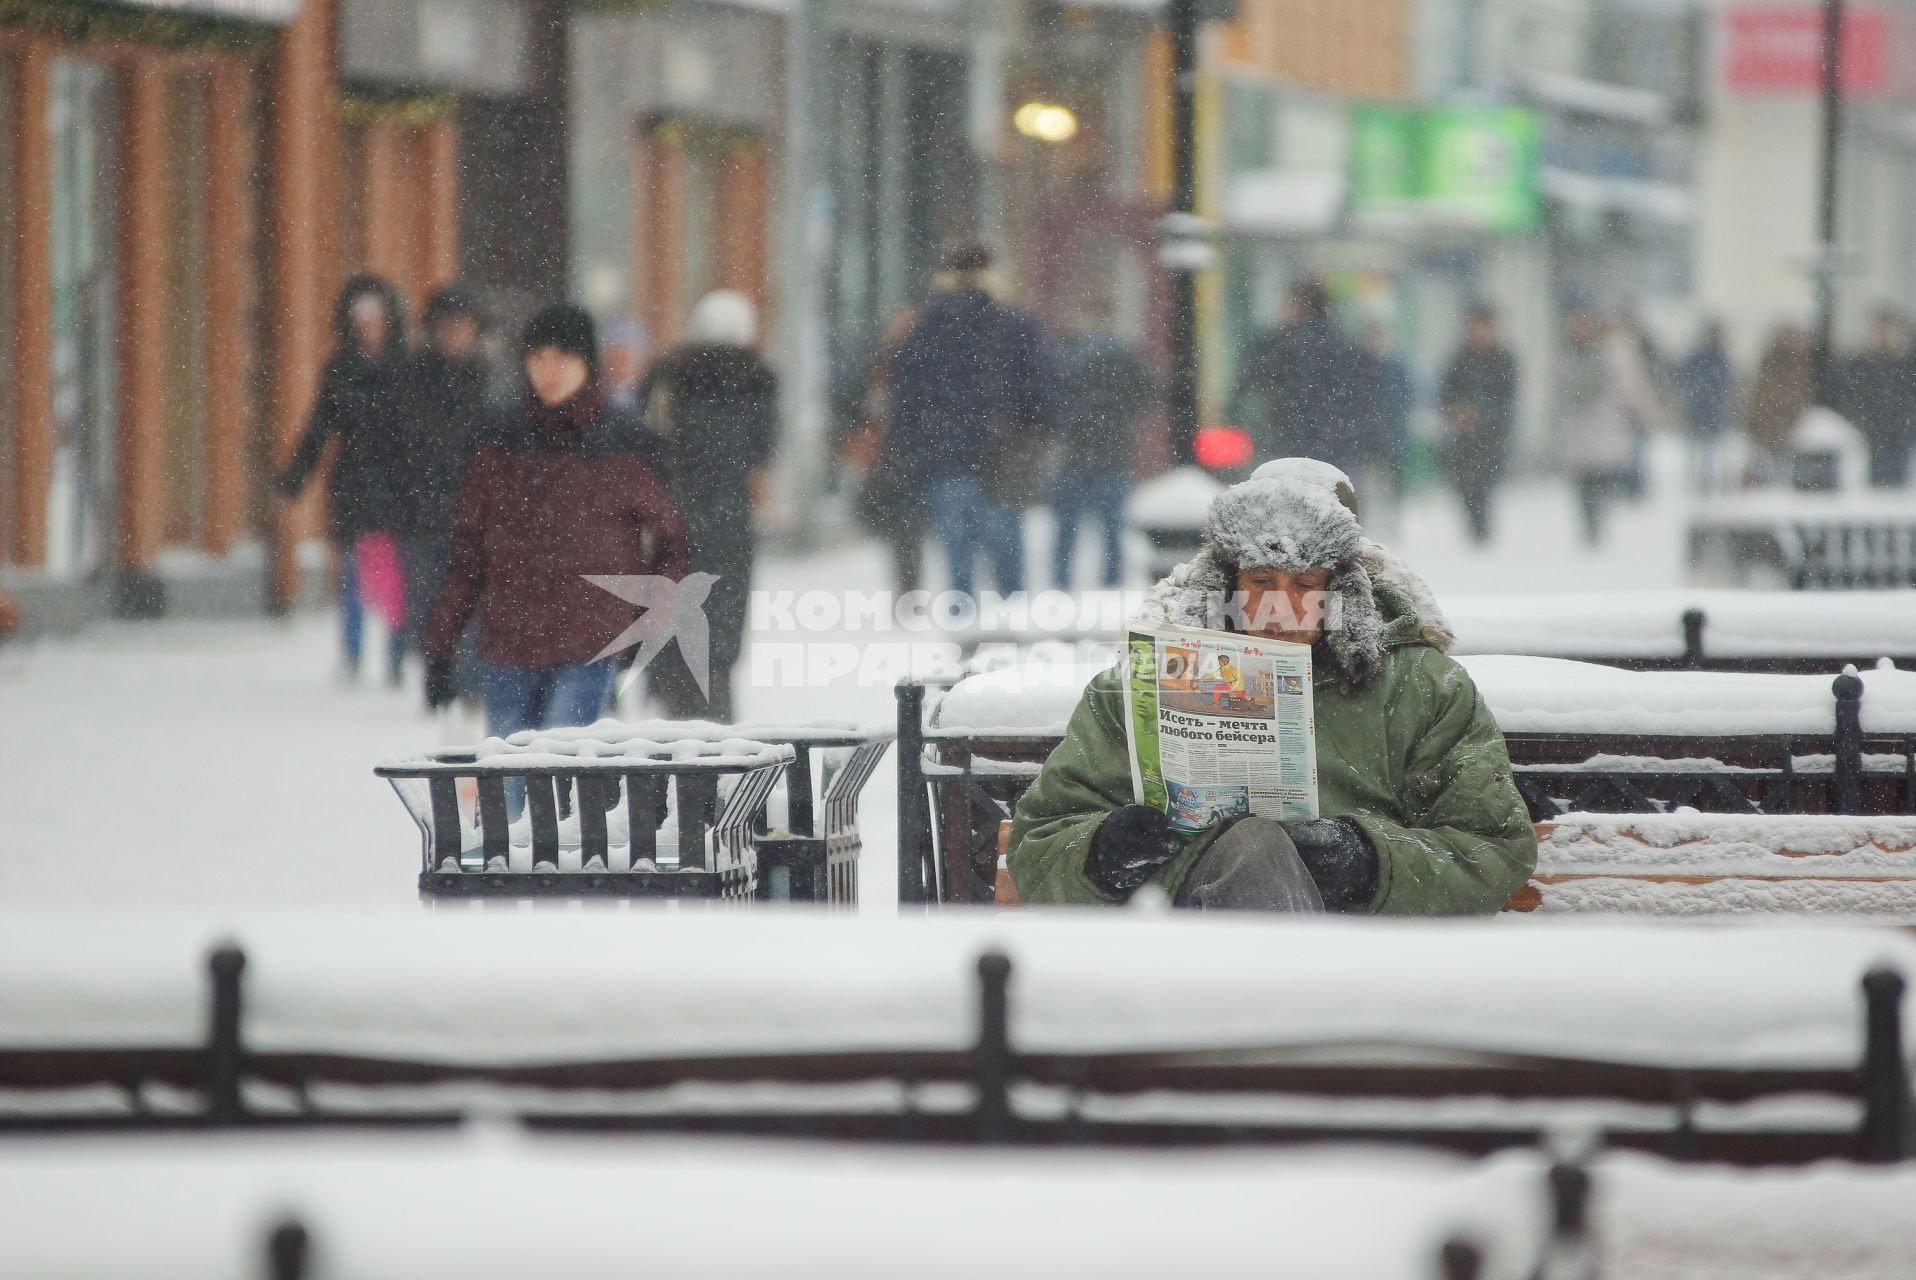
{"points": [[80, 495]]}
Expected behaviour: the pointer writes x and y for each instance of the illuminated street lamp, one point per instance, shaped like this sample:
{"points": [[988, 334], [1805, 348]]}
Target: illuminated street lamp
{"points": [[1046, 122]]}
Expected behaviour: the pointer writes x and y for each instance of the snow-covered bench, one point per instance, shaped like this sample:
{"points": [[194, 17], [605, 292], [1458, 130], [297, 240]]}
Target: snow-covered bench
{"points": [[498, 1204], [663, 808], [1692, 864], [1775, 632], [1582, 737], [1807, 541], [1753, 1043]]}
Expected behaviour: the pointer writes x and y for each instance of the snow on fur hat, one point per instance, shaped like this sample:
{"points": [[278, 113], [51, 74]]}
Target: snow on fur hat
{"points": [[1294, 520], [1396, 583]]}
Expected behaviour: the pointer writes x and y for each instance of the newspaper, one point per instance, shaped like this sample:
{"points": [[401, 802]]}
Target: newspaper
{"points": [[1219, 724]]}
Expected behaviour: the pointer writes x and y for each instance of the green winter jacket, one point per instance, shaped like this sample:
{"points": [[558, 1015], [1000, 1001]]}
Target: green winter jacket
{"points": [[1414, 758]]}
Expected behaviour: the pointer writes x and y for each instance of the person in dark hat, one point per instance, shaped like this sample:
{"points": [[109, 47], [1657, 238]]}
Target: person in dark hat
{"points": [[360, 403], [446, 418], [568, 490]]}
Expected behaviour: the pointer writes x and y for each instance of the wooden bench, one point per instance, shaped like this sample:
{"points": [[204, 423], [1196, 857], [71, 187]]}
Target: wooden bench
{"points": [[958, 783], [1701, 865]]}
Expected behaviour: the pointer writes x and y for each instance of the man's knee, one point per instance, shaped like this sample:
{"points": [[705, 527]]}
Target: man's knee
{"points": [[1252, 867]]}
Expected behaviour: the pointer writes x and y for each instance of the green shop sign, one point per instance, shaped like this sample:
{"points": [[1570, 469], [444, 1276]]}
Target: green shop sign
{"points": [[1473, 167]]}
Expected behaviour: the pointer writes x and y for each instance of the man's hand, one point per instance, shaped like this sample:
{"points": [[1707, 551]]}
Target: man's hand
{"points": [[438, 684], [1128, 846], [1341, 860]]}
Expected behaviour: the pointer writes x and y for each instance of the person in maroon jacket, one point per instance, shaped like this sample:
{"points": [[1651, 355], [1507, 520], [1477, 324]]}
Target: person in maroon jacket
{"points": [[567, 488]]}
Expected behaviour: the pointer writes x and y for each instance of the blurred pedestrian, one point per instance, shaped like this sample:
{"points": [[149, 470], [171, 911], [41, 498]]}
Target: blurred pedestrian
{"points": [[1706, 385], [1390, 396], [361, 402], [1106, 388], [1479, 402], [446, 419], [1310, 378], [714, 402], [1877, 393], [1656, 382], [12, 616], [892, 501], [623, 353], [1263, 367], [1783, 387], [973, 395], [1603, 392], [567, 489]]}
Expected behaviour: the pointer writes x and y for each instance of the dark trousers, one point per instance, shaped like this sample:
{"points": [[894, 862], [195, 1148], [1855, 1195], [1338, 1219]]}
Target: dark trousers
{"points": [[727, 607], [1596, 491], [1478, 493], [1101, 492]]}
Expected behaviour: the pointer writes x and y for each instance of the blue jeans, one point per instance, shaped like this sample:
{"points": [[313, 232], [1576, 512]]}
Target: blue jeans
{"points": [[542, 698], [968, 523], [352, 614], [545, 697], [1103, 492]]}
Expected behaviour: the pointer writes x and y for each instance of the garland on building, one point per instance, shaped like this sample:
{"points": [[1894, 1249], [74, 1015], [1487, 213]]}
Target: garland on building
{"points": [[406, 110], [702, 135], [81, 20]]}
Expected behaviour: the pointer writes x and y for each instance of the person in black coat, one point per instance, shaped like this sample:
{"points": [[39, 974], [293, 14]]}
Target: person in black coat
{"points": [[714, 404], [361, 401], [974, 402], [1479, 400], [1878, 393], [1300, 386], [447, 412]]}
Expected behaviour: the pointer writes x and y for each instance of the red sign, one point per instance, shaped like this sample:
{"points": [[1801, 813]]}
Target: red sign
{"points": [[1780, 49]]}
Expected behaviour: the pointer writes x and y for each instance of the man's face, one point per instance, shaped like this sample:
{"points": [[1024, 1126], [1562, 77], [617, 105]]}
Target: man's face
{"points": [[456, 336], [1280, 605], [556, 374], [369, 326], [1482, 334]]}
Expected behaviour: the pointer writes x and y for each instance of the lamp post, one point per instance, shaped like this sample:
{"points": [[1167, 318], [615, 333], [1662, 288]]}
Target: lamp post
{"points": [[1184, 246], [1823, 379]]}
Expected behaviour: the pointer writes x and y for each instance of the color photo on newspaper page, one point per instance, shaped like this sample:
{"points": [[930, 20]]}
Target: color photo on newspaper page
{"points": [[1220, 724]]}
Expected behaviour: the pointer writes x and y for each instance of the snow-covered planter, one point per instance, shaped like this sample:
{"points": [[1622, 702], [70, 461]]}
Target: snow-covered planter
{"points": [[668, 808], [1696, 864]]}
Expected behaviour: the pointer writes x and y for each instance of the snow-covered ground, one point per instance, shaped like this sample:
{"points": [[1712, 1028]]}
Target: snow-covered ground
{"points": [[217, 764]]}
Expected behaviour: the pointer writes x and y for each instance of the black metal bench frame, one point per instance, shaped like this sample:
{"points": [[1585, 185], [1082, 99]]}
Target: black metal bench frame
{"points": [[218, 1072]]}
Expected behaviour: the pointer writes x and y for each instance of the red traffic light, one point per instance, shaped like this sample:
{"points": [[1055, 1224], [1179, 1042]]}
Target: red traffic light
{"points": [[1221, 448]]}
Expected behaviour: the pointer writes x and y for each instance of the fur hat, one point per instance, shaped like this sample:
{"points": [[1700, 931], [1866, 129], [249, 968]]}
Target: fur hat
{"points": [[1293, 520]]}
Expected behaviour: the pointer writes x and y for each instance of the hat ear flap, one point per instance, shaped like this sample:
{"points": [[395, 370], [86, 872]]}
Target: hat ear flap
{"points": [[1353, 629]]}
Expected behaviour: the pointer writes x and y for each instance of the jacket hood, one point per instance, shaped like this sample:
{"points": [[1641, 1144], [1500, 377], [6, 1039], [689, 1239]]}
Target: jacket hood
{"points": [[1286, 521], [381, 290]]}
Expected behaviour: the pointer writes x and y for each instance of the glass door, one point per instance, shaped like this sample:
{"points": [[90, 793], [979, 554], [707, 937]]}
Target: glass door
{"points": [[80, 498]]}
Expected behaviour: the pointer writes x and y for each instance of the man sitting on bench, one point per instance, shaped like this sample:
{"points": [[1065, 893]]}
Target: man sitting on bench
{"points": [[1420, 814]]}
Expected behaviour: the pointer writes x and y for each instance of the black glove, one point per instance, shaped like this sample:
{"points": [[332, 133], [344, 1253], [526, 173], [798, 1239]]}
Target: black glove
{"points": [[438, 684], [1128, 846], [1341, 860]]}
